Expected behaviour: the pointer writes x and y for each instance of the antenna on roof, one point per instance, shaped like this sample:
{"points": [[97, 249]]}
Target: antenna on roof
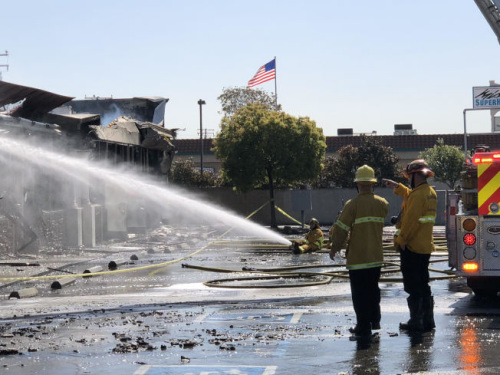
{"points": [[6, 54]]}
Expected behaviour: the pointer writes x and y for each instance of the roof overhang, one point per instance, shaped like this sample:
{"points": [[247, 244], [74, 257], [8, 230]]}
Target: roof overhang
{"points": [[34, 101]]}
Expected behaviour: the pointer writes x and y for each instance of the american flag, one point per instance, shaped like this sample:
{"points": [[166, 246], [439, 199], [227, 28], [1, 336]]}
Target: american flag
{"points": [[265, 73]]}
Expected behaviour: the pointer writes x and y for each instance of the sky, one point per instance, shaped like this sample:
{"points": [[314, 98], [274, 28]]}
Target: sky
{"points": [[365, 64]]}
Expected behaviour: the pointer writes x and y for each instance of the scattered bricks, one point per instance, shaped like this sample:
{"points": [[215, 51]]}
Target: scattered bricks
{"points": [[112, 266], [58, 284], [227, 346], [24, 293], [9, 351], [94, 269]]}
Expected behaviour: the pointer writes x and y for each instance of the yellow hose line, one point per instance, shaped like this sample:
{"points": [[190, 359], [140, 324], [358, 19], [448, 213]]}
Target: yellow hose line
{"points": [[216, 283], [259, 270], [26, 278], [287, 215], [282, 272], [400, 279]]}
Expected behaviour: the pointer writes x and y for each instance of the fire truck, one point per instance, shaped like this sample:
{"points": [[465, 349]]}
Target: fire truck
{"points": [[473, 223]]}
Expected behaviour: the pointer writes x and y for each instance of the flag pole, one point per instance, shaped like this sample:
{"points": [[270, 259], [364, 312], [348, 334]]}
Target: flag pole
{"points": [[275, 83]]}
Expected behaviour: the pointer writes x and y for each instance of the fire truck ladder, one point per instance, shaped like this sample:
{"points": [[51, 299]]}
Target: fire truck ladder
{"points": [[491, 11]]}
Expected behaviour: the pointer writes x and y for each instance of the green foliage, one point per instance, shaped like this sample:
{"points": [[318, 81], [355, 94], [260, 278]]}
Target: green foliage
{"points": [[258, 146], [381, 158], [445, 161], [339, 171], [185, 173], [234, 98]]}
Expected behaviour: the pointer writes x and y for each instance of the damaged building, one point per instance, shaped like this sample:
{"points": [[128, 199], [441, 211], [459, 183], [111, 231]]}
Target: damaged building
{"points": [[41, 210]]}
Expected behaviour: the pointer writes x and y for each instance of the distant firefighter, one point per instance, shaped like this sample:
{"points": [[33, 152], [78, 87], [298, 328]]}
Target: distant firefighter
{"points": [[313, 240]]}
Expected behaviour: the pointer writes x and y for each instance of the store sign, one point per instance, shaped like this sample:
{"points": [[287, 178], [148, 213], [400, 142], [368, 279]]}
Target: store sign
{"points": [[486, 97]]}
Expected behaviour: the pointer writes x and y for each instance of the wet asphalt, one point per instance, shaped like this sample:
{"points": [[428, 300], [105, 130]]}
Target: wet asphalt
{"points": [[166, 320]]}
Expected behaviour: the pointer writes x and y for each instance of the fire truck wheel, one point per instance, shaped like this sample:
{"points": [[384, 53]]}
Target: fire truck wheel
{"points": [[484, 287]]}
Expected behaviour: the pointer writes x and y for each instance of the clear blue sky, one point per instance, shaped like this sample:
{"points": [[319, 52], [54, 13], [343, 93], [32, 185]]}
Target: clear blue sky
{"points": [[363, 64]]}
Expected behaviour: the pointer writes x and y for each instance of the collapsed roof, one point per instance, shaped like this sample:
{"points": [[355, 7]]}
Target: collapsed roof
{"points": [[145, 109], [125, 130], [131, 121]]}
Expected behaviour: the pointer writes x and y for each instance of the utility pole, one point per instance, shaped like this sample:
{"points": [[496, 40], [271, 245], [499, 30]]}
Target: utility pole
{"points": [[6, 54], [201, 102]]}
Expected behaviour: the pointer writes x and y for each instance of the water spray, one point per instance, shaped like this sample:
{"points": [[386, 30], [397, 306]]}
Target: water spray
{"points": [[78, 174]]}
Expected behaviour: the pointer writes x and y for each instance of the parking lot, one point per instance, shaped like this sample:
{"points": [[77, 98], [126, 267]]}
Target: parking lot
{"points": [[196, 317]]}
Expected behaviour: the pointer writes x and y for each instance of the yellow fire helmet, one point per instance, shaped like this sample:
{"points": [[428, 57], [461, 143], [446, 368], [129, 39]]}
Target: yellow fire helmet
{"points": [[314, 223], [365, 174]]}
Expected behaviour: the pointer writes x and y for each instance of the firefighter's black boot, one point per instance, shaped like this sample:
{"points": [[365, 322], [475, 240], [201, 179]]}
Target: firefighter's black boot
{"points": [[428, 317], [361, 329], [363, 326], [416, 323]]}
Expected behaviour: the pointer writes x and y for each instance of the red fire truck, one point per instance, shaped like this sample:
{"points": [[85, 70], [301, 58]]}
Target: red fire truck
{"points": [[473, 223]]}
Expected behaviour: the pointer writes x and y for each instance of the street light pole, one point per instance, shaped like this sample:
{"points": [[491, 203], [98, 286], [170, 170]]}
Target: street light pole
{"points": [[201, 102]]}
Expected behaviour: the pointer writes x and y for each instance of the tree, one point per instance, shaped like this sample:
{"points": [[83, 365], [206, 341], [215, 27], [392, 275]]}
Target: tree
{"points": [[258, 146], [446, 162], [236, 97], [340, 171], [184, 172]]}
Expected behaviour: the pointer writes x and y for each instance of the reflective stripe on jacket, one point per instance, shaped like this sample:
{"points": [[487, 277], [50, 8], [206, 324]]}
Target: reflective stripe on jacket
{"points": [[363, 219], [417, 218], [315, 239]]}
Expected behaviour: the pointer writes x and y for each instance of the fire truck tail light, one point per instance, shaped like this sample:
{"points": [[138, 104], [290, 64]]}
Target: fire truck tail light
{"points": [[486, 157], [470, 267], [469, 225], [469, 239]]}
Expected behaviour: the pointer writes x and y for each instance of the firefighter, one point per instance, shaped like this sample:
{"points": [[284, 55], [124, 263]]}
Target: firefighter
{"points": [[312, 242], [414, 240], [362, 218]]}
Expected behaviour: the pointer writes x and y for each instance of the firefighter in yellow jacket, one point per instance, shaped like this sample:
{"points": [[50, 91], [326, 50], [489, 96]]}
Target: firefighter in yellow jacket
{"points": [[313, 241], [414, 240], [362, 218]]}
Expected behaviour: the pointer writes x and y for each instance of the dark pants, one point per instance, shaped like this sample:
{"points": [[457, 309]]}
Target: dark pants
{"points": [[415, 269], [366, 295]]}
